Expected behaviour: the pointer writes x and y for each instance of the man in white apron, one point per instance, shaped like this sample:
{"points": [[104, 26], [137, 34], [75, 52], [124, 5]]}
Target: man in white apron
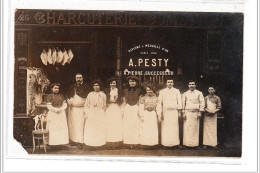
{"points": [[193, 105], [76, 99], [212, 106], [171, 103]]}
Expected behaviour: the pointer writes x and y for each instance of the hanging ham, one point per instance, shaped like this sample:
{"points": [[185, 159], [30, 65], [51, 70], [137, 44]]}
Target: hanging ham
{"points": [[54, 56], [59, 56], [65, 57], [70, 55], [44, 57], [49, 56]]}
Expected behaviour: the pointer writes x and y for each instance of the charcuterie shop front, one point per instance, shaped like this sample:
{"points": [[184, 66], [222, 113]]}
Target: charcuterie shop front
{"points": [[54, 45]]}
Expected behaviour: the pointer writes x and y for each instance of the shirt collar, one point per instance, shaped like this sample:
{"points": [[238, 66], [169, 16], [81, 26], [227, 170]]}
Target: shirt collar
{"points": [[113, 89], [79, 84], [132, 88], [211, 96], [192, 91]]}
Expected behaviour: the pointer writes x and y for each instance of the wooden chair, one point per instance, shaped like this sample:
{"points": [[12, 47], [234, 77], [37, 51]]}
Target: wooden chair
{"points": [[40, 132], [40, 135]]}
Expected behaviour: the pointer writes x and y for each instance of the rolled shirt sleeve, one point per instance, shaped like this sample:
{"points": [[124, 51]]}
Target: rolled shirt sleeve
{"points": [[183, 101], [193, 100], [219, 103], [179, 100], [202, 102]]}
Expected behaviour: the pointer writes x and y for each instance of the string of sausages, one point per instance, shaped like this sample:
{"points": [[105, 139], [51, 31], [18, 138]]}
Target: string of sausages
{"points": [[53, 56]]}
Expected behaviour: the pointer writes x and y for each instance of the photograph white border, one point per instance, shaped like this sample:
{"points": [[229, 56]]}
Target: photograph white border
{"points": [[15, 158]]}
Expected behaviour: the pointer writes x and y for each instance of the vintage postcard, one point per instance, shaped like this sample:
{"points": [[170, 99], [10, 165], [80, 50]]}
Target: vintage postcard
{"points": [[128, 83], [111, 85]]}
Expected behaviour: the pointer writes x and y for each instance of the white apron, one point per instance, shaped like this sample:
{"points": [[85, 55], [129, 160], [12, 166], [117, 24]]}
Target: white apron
{"points": [[210, 127], [76, 119], [131, 125], [95, 127], [149, 129], [191, 129], [170, 128], [58, 128], [114, 123]]}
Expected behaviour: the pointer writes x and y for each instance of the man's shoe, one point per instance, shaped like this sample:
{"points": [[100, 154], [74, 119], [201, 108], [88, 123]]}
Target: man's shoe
{"points": [[180, 147], [214, 147], [197, 148], [205, 147], [73, 144], [79, 146]]}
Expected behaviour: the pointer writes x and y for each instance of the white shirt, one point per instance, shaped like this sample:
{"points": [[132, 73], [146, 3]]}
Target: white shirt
{"points": [[193, 100], [170, 98], [96, 100], [113, 94]]}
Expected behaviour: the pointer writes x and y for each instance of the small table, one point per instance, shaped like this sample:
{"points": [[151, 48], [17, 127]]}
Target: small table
{"points": [[40, 134]]}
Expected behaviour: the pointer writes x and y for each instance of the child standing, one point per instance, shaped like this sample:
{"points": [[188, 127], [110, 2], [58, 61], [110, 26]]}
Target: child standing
{"points": [[212, 106]]}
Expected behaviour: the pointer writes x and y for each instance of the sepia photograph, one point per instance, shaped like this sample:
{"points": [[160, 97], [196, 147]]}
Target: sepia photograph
{"points": [[128, 83], [134, 85]]}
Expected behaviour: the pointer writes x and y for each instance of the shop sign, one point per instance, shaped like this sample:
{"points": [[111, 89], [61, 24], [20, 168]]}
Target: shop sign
{"points": [[109, 18]]}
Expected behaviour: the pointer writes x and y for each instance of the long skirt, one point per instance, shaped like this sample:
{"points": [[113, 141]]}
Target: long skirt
{"points": [[58, 128], [170, 128], [131, 125], [95, 127], [76, 123], [191, 129], [210, 131], [114, 123], [149, 129]]}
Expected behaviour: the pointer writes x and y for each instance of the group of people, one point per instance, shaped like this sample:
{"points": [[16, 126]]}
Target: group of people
{"points": [[111, 116]]}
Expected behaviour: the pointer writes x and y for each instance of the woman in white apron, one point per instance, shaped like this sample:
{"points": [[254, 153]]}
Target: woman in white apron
{"points": [[131, 119], [95, 123], [148, 108], [212, 106], [114, 121], [56, 119]]}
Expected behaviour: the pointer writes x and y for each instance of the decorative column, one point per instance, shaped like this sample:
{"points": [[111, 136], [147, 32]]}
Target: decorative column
{"points": [[118, 73], [21, 58]]}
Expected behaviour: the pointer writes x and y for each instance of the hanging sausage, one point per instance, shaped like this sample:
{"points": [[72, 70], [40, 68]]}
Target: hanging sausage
{"points": [[54, 56], [49, 57], [70, 55], [60, 56], [65, 57], [44, 57]]}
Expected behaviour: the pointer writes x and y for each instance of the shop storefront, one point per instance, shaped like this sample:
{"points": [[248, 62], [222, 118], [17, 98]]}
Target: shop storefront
{"points": [[204, 47]]}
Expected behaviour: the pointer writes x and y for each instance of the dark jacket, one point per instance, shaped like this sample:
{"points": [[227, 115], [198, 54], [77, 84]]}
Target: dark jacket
{"points": [[55, 99], [81, 90], [132, 95]]}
